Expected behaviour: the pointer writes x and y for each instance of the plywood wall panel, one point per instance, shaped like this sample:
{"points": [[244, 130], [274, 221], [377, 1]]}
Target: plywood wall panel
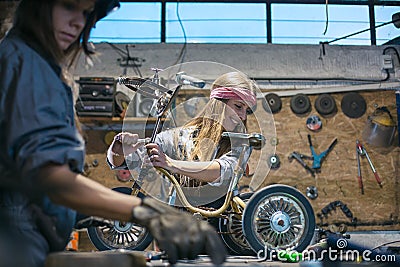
{"points": [[338, 177]]}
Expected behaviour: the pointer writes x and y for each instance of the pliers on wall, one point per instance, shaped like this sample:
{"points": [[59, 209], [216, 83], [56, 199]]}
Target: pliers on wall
{"points": [[300, 158], [361, 151], [317, 158]]}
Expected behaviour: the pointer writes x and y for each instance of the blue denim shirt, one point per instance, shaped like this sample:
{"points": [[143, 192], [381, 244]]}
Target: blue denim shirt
{"points": [[37, 127]]}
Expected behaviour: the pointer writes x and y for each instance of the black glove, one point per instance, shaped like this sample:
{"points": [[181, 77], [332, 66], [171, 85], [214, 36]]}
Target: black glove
{"points": [[47, 227], [178, 233], [92, 221]]}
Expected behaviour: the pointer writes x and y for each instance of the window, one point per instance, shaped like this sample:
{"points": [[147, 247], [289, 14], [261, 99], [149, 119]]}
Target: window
{"points": [[132, 23], [308, 24], [383, 14], [216, 23], [228, 22]]}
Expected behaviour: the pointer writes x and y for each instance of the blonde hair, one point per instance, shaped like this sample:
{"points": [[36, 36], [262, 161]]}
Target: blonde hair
{"points": [[209, 120], [235, 79]]}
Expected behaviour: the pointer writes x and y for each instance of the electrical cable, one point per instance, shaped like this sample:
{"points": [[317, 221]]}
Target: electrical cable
{"points": [[352, 34], [182, 53], [126, 57], [327, 17], [387, 243]]}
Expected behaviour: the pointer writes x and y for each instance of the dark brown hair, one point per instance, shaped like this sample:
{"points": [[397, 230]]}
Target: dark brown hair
{"points": [[33, 18]]}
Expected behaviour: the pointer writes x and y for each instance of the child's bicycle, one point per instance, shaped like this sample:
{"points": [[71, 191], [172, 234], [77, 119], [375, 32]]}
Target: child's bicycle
{"points": [[277, 217]]}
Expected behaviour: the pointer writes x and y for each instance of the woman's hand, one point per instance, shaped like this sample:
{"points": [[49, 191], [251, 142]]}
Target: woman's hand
{"points": [[158, 158], [126, 143], [206, 171], [123, 144]]}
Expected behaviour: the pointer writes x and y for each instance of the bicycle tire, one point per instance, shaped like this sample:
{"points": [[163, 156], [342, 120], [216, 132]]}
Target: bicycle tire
{"points": [[232, 233], [278, 217], [129, 236]]}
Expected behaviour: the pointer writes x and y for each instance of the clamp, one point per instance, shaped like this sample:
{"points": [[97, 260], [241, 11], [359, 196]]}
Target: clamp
{"points": [[361, 151], [317, 158]]}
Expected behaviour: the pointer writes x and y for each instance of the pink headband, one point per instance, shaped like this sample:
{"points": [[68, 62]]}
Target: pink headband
{"points": [[235, 93]]}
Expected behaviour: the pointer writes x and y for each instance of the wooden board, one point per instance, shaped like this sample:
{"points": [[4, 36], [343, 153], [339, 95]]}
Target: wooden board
{"points": [[338, 178]]}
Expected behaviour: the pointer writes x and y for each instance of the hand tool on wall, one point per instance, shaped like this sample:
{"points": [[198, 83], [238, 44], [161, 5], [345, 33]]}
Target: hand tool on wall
{"points": [[359, 177], [314, 123], [327, 210], [361, 151], [325, 105], [299, 157], [317, 158], [353, 105], [300, 104]]}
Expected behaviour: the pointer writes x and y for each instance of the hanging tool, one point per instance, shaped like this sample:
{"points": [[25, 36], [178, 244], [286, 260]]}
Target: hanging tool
{"points": [[314, 123], [327, 210], [359, 177], [361, 151], [299, 157], [274, 162], [353, 105], [317, 158]]}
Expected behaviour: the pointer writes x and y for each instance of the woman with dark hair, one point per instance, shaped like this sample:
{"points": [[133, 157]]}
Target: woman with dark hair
{"points": [[42, 151]]}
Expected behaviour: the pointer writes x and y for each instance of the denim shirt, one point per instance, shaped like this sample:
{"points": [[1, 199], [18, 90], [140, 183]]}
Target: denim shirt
{"points": [[37, 127]]}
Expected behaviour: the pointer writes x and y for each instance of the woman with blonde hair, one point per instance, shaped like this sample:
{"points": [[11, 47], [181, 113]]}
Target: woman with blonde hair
{"points": [[195, 152]]}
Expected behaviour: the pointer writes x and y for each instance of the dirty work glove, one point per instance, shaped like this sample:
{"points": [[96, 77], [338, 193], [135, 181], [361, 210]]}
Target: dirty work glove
{"points": [[178, 233]]}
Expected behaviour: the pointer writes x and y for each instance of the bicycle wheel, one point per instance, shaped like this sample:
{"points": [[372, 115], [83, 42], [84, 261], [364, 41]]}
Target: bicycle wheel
{"points": [[232, 233], [120, 235], [278, 217]]}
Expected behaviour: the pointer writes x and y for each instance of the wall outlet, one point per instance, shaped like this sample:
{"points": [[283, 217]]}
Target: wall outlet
{"points": [[387, 62]]}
